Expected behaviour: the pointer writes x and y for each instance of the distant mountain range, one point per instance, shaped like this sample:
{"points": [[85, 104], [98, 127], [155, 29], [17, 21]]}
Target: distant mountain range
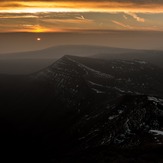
{"points": [[28, 62], [81, 109], [77, 50]]}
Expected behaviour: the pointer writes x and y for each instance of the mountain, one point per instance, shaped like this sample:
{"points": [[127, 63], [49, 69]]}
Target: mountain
{"points": [[128, 129], [103, 76], [80, 106], [152, 56], [29, 62], [57, 52], [32, 61]]}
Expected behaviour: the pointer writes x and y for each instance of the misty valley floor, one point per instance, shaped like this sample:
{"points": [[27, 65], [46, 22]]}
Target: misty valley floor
{"points": [[82, 109]]}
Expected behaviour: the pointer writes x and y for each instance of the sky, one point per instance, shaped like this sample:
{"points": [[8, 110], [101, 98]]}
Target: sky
{"points": [[27, 25], [80, 15]]}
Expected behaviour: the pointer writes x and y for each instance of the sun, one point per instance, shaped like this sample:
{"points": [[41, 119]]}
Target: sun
{"points": [[38, 39]]}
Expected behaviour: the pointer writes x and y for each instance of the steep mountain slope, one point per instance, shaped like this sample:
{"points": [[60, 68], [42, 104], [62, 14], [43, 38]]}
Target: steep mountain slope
{"points": [[106, 77], [124, 122], [126, 130]]}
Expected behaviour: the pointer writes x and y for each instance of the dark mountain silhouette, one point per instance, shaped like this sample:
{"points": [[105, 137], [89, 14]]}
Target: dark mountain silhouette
{"points": [[79, 109]]}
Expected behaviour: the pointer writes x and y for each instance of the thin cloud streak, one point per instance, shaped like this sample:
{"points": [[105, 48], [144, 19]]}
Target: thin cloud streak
{"points": [[136, 17], [121, 24]]}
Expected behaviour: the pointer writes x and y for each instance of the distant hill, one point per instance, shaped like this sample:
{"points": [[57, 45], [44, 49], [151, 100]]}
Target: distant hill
{"points": [[151, 56], [57, 52], [60, 51], [27, 62]]}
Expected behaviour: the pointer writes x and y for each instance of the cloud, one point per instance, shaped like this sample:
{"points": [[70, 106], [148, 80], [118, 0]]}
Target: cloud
{"points": [[71, 21], [90, 14], [10, 16], [136, 17], [136, 27], [80, 17], [125, 17], [134, 1], [108, 6], [121, 24]]}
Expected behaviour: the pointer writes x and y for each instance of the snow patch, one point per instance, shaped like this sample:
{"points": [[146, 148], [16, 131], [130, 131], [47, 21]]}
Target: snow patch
{"points": [[141, 62], [105, 140], [156, 132], [120, 111], [120, 90], [97, 91], [126, 125], [112, 117], [95, 84], [127, 62], [154, 99]]}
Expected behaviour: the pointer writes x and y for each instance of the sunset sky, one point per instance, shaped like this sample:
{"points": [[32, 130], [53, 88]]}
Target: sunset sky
{"points": [[82, 15]]}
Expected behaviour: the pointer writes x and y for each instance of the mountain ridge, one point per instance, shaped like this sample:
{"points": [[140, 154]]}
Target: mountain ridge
{"points": [[28, 62], [80, 104]]}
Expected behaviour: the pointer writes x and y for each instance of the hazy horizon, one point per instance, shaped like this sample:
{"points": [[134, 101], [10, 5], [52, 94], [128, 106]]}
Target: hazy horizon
{"points": [[19, 42], [125, 24]]}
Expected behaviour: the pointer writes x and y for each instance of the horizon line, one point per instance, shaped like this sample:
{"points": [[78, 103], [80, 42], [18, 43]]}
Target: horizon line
{"points": [[80, 31]]}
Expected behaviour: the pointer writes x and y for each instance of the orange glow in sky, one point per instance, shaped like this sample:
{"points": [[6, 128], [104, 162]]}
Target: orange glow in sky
{"points": [[78, 6], [64, 15]]}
